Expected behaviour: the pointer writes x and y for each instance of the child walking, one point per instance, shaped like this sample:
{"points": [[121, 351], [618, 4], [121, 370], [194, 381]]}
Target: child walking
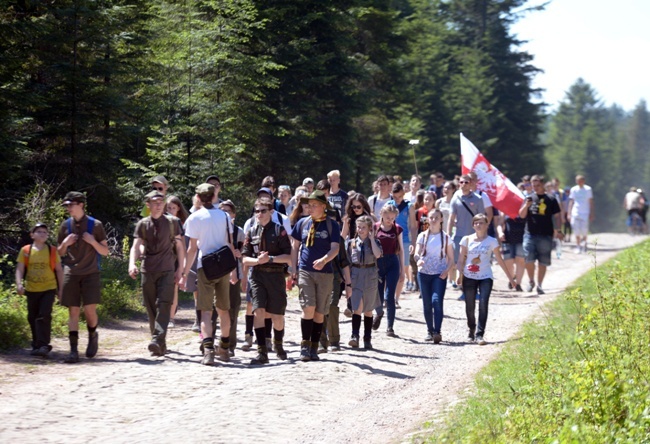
{"points": [[39, 266]]}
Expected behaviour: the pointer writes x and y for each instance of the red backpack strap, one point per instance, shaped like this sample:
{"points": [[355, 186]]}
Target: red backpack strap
{"points": [[27, 250], [52, 257]]}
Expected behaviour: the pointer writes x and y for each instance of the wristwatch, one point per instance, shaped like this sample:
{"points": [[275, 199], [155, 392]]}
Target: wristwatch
{"points": [[271, 258]]}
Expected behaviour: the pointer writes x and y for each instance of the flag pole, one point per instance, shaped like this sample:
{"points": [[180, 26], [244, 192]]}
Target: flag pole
{"points": [[415, 162]]}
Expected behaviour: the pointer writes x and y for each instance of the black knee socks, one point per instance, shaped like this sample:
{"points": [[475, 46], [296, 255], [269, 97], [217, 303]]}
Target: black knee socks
{"points": [[260, 336], [356, 324], [367, 327], [74, 340], [268, 325], [278, 335], [306, 326], [316, 331], [249, 324]]}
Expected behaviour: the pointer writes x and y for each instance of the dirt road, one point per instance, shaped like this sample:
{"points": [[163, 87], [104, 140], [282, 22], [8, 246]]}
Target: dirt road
{"points": [[378, 396]]}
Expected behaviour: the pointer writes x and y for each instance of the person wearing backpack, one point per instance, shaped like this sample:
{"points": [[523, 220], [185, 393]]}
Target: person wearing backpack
{"points": [[161, 237], [39, 266], [82, 241]]}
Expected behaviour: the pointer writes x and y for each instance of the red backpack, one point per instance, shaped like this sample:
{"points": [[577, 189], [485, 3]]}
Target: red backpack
{"points": [[27, 250]]}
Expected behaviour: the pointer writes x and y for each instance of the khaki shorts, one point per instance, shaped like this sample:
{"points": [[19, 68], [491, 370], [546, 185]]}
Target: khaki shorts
{"points": [[215, 292], [315, 290], [81, 289]]}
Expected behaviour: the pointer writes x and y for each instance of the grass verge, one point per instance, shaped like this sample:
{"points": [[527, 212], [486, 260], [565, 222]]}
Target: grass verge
{"points": [[580, 376]]}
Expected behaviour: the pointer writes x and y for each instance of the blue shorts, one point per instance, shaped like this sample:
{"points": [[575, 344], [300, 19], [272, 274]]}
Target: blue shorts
{"points": [[538, 248], [512, 251]]}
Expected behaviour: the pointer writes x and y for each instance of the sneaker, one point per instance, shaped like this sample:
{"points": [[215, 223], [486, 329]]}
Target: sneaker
{"points": [[208, 357], [91, 350], [223, 354], [42, 351], [390, 332], [171, 324], [354, 342], [196, 328], [347, 312], [480, 340], [336, 346], [313, 352], [248, 342], [518, 288], [367, 344], [34, 352], [260, 359], [304, 351], [429, 337], [397, 306], [269, 344], [155, 349], [577, 250], [377, 322], [539, 290], [470, 335], [72, 358], [437, 338], [530, 286]]}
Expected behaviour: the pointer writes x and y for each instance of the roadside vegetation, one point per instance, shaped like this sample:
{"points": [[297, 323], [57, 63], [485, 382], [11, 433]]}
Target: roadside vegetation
{"points": [[581, 374]]}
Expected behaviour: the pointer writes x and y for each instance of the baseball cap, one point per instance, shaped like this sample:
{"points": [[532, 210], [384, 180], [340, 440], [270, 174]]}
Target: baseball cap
{"points": [[160, 179], [213, 177], [155, 194], [38, 225], [308, 180], [265, 190], [229, 203], [74, 196]]}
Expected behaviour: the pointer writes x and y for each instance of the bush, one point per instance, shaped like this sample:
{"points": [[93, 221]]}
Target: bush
{"points": [[582, 377]]}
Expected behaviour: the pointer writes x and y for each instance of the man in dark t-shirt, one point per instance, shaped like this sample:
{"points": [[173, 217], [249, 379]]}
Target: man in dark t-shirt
{"points": [[543, 221], [316, 243], [337, 197], [158, 235]]}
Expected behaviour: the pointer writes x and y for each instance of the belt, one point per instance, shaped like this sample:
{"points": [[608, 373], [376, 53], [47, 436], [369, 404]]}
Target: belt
{"points": [[363, 265], [269, 270]]}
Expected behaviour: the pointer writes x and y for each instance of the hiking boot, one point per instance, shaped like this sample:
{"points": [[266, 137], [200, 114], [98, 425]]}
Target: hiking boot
{"points": [[42, 351], [367, 343], [72, 358], [437, 338], [304, 351], [390, 332], [354, 341], [155, 349], [248, 342], [91, 350], [480, 340], [262, 356], [429, 337], [336, 346], [279, 351], [223, 354], [377, 322], [208, 357], [34, 352], [313, 351]]}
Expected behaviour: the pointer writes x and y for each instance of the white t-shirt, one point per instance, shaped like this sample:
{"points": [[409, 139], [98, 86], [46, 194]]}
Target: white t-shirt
{"points": [[433, 263], [379, 204], [479, 253], [209, 227], [581, 197], [276, 217]]}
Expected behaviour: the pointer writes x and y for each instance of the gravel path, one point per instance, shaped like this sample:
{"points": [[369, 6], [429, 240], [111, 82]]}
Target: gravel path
{"points": [[378, 396]]}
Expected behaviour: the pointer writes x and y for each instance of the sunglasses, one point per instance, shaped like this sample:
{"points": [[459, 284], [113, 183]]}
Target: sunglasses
{"points": [[158, 188], [262, 211], [357, 207], [463, 181]]}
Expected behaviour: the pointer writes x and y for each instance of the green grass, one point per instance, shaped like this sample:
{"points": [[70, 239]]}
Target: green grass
{"points": [[581, 375]]}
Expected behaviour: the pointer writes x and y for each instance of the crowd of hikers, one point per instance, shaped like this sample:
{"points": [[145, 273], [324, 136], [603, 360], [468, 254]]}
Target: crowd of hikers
{"points": [[367, 249]]}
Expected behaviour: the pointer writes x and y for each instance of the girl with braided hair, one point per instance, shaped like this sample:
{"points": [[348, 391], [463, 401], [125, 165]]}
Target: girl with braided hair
{"points": [[434, 254]]}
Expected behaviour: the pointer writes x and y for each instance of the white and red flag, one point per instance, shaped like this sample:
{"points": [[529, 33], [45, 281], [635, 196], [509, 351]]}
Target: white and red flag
{"points": [[505, 196]]}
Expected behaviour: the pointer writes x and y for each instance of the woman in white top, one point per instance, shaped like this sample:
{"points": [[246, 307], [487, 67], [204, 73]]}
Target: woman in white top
{"points": [[476, 274], [434, 253], [444, 205]]}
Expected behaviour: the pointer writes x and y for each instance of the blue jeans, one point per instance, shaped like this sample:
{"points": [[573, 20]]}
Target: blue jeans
{"points": [[432, 289], [388, 266], [470, 287]]}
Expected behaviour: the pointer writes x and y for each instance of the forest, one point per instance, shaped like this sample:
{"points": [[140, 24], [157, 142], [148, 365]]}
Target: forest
{"points": [[100, 96]]}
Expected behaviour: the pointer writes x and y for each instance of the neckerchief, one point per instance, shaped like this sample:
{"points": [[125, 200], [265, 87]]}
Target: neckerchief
{"points": [[312, 231]]}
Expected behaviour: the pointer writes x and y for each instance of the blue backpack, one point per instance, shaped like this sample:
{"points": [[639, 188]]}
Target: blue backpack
{"points": [[89, 229]]}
